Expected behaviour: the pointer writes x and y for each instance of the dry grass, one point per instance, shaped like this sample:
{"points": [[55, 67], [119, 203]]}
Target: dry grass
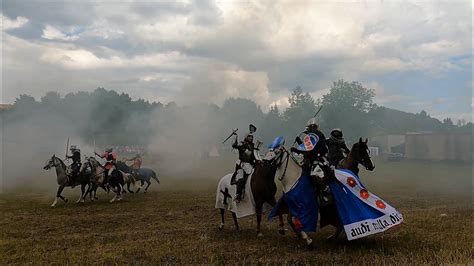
{"points": [[173, 225]]}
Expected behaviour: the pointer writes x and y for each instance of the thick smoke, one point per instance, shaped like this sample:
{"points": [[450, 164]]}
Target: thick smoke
{"points": [[180, 141], [184, 141]]}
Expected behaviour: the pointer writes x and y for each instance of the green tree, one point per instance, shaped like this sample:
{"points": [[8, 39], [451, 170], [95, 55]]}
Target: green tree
{"points": [[346, 106], [25, 101], [302, 108], [272, 124], [51, 98]]}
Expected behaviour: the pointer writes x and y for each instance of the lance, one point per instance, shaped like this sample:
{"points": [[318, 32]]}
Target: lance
{"points": [[234, 132], [316, 114], [67, 147]]}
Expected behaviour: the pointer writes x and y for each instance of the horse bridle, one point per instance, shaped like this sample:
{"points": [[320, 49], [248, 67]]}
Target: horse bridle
{"points": [[288, 157], [361, 159], [53, 160]]}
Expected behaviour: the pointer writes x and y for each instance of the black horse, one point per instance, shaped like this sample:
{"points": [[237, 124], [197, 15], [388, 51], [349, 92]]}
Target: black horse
{"points": [[263, 188], [359, 154], [142, 174]]}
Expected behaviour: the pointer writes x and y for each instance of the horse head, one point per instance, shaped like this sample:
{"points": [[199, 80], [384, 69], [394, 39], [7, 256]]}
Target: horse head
{"points": [[51, 163], [361, 154], [288, 167]]}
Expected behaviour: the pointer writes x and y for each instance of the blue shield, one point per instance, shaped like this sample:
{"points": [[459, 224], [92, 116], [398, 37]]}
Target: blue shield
{"points": [[309, 142], [277, 142]]}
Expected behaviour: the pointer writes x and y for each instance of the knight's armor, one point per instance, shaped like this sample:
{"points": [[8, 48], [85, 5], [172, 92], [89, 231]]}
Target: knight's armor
{"points": [[337, 147], [244, 165], [315, 162], [76, 163], [111, 161]]}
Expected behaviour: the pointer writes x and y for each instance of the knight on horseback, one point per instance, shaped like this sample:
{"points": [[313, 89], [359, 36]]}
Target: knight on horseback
{"points": [[75, 165], [137, 161], [111, 162], [314, 150], [246, 162], [337, 147]]}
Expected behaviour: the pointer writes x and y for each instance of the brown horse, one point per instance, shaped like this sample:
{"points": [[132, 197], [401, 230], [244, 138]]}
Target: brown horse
{"points": [[263, 188], [359, 154]]}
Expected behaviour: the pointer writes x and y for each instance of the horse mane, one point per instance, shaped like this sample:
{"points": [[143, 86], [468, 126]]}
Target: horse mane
{"points": [[60, 161]]}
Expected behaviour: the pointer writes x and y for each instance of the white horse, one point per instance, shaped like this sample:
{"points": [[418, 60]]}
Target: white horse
{"points": [[63, 179], [289, 172]]}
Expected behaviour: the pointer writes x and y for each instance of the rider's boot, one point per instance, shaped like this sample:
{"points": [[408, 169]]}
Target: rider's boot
{"points": [[73, 180], [240, 189], [233, 180]]}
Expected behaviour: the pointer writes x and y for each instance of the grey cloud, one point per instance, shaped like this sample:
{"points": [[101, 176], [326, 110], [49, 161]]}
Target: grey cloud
{"points": [[241, 41]]}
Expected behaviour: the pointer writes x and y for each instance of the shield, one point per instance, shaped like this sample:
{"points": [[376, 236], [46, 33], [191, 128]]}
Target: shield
{"points": [[277, 142], [309, 142]]}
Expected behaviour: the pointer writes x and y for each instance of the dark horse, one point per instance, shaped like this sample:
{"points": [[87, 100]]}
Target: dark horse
{"points": [[359, 154], [115, 181], [143, 175], [64, 180], [122, 166], [263, 188]]}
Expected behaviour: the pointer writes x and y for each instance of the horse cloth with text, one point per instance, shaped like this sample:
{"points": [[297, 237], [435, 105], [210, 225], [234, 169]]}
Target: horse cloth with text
{"points": [[361, 212]]}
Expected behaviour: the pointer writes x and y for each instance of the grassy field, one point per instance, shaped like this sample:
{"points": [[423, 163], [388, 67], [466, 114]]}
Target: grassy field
{"points": [[177, 223]]}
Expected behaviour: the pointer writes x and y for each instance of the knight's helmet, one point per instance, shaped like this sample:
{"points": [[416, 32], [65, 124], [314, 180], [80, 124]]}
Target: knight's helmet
{"points": [[252, 130], [312, 125], [108, 149], [74, 148], [336, 134]]}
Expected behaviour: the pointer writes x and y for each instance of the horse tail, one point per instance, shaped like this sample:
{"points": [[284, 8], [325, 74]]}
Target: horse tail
{"points": [[153, 175]]}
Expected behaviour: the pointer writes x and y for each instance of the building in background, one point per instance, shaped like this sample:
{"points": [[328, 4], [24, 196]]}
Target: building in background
{"points": [[387, 143], [439, 147]]}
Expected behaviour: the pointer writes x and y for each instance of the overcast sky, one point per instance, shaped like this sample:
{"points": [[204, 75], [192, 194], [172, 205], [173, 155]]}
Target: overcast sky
{"points": [[415, 54]]}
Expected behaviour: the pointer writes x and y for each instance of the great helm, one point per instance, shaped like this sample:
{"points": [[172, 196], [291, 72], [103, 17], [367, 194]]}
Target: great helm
{"points": [[337, 133]]}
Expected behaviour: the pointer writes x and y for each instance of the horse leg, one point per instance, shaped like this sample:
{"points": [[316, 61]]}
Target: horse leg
{"points": [[337, 233], [300, 234], [85, 191], [58, 195], [221, 226], [140, 187], [289, 219], [116, 191], [281, 229], [82, 193], [95, 193], [309, 241], [258, 210], [88, 191], [120, 192], [147, 186], [236, 222], [128, 188]]}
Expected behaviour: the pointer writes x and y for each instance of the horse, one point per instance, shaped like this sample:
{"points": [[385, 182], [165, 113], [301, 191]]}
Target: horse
{"points": [[144, 175], [122, 166], [359, 154], [263, 189], [288, 172], [97, 178], [116, 180], [63, 179]]}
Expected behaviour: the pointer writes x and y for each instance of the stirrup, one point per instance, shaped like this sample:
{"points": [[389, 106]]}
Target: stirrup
{"points": [[238, 198]]}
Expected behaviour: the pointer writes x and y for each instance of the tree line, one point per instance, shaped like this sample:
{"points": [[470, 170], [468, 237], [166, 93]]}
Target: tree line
{"points": [[113, 118]]}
